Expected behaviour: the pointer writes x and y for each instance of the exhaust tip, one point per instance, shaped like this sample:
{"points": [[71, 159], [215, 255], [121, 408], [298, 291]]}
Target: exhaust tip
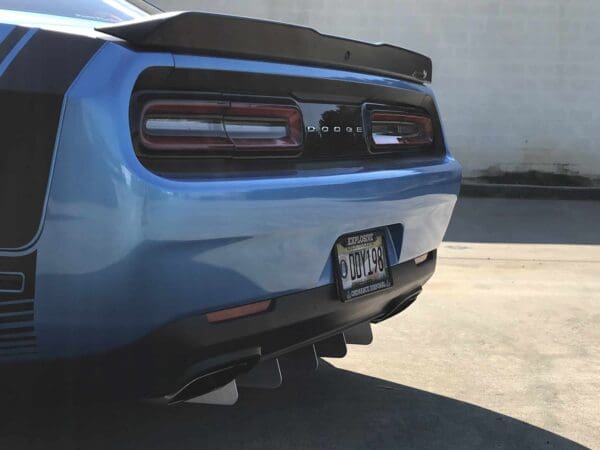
{"points": [[213, 374]]}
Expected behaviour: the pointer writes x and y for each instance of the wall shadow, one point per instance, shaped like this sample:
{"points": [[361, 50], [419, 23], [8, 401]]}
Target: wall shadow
{"points": [[495, 220], [330, 408]]}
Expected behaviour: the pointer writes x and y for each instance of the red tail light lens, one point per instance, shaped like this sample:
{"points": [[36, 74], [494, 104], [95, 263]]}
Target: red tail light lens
{"points": [[207, 127], [391, 130]]}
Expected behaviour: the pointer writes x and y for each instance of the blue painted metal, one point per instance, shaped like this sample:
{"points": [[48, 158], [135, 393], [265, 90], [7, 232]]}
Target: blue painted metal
{"points": [[123, 251], [5, 29]]}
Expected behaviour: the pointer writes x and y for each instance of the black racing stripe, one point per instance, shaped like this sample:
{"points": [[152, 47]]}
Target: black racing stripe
{"points": [[19, 318], [19, 264], [9, 340], [17, 330], [49, 62], [11, 282], [15, 354], [31, 96], [12, 308], [12, 347], [10, 41]]}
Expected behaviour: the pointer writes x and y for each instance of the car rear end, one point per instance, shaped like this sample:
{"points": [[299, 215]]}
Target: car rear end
{"points": [[209, 211]]}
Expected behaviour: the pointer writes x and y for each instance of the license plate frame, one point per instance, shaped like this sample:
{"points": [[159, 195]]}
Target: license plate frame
{"points": [[356, 244]]}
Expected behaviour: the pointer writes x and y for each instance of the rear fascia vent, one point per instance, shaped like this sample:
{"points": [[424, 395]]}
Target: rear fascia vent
{"points": [[17, 293]]}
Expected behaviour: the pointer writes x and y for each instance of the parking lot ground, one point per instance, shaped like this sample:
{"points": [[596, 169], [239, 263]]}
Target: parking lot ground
{"points": [[513, 328], [502, 350]]}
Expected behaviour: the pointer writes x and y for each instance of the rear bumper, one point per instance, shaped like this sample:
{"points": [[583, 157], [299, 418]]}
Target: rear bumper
{"points": [[162, 253], [155, 365], [294, 321]]}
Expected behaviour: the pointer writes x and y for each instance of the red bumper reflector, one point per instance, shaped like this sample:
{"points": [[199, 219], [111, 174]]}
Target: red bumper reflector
{"points": [[238, 311]]}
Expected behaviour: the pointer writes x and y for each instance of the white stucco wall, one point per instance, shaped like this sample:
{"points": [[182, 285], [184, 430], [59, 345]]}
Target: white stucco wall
{"points": [[517, 81]]}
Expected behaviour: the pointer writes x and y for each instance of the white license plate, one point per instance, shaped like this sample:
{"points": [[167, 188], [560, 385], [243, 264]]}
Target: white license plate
{"points": [[361, 264]]}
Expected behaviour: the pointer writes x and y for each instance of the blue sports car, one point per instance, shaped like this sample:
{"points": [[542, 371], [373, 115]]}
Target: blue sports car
{"points": [[190, 199]]}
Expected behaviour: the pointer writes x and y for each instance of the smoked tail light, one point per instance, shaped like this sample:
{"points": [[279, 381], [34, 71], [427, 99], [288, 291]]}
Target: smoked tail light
{"points": [[204, 128], [390, 130]]}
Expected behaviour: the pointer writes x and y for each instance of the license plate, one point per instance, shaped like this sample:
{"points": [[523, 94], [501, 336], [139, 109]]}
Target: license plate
{"points": [[361, 264]]}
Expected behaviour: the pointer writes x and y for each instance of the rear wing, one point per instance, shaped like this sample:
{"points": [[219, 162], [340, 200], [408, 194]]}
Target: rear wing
{"points": [[223, 35]]}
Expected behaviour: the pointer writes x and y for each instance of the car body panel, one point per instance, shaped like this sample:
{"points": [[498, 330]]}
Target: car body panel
{"points": [[122, 251]]}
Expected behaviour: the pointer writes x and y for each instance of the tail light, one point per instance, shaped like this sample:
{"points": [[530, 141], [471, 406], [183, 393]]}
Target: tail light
{"points": [[391, 130], [218, 128]]}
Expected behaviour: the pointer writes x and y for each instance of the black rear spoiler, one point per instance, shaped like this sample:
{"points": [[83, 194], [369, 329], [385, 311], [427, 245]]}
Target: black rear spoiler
{"points": [[222, 35]]}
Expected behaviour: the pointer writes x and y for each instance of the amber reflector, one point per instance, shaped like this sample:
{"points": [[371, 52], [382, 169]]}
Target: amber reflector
{"points": [[238, 311]]}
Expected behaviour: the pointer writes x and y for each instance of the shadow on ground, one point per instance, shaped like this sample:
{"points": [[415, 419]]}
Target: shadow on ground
{"points": [[331, 408], [498, 220]]}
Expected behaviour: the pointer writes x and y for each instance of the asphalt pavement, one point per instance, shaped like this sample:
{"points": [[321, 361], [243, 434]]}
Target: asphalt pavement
{"points": [[502, 350]]}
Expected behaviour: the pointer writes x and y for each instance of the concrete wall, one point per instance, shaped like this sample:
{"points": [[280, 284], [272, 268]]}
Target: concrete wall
{"points": [[517, 81]]}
